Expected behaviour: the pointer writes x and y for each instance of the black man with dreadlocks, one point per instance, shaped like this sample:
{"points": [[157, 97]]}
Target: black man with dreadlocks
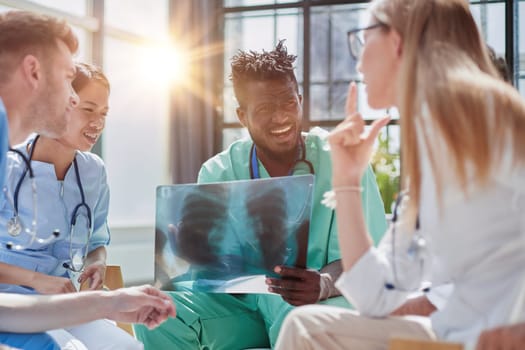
{"points": [[270, 108]]}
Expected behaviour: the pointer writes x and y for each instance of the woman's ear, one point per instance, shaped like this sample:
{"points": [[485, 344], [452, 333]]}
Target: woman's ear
{"points": [[397, 42]]}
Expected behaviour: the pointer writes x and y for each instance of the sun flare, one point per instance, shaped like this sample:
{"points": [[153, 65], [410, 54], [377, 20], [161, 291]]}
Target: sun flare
{"points": [[164, 64]]}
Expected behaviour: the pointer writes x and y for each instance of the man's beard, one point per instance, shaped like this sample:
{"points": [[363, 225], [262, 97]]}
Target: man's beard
{"points": [[46, 117]]}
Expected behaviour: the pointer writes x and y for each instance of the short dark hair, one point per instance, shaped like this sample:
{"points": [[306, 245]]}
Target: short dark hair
{"points": [[87, 73], [254, 66], [24, 32]]}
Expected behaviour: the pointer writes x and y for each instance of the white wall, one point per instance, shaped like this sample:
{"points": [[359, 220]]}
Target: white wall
{"points": [[132, 249]]}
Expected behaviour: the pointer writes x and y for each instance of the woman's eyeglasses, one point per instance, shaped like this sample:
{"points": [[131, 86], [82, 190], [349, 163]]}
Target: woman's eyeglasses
{"points": [[356, 40]]}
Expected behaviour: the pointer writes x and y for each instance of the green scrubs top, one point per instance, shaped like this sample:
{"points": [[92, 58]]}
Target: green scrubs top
{"points": [[323, 247], [233, 321]]}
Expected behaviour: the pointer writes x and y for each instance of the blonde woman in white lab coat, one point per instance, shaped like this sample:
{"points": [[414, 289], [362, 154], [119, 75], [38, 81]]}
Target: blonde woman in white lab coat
{"points": [[463, 154]]}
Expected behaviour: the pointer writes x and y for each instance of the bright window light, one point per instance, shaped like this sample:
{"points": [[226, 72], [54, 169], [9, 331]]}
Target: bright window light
{"points": [[164, 64]]}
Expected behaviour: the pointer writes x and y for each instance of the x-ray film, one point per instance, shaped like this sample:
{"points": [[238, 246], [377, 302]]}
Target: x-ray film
{"points": [[226, 237]]}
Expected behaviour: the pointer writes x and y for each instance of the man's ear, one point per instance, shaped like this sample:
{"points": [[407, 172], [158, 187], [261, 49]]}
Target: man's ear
{"points": [[32, 70], [300, 99], [241, 115]]}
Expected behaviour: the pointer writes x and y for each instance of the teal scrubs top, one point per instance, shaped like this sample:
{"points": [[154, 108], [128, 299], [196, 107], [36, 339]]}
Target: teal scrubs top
{"points": [[323, 246]]}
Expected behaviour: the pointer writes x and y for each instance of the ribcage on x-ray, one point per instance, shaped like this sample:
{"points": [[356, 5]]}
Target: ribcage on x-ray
{"points": [[204, 210], [267, 211]]}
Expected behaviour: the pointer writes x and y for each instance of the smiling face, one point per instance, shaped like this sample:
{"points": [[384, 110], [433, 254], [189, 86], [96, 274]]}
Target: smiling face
{"points": [[380, 63], [89, 118], [272, 113]]}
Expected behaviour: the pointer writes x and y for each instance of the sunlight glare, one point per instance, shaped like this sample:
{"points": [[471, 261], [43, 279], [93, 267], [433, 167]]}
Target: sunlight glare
{"points": [[164, 64]]}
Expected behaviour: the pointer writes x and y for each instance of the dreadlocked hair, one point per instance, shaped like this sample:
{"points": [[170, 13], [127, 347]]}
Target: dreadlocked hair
{"points": [[260, 66]]}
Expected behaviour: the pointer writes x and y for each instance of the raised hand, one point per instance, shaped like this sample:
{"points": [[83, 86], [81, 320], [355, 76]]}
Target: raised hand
{"points": [[351, 146]]}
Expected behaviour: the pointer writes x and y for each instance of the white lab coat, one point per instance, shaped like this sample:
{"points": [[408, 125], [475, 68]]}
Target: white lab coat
{"points": [[476, 241]]}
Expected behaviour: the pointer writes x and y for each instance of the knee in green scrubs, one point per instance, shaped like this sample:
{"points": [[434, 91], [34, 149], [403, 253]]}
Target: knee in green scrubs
{"points": [[208, 321]]}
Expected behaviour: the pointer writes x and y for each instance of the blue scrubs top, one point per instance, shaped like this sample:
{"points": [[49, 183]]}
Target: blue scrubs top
{"points": [[3, 142], [56, 201], [32, 340]]}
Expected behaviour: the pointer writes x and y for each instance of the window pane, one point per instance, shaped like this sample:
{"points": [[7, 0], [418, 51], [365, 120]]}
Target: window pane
{"points": [[256, 30], [84, 49], [339, 93], [136, 136], [145, 18], [491, 22], [330, 59], [521, 44], [84, 44], [230, 105], [245, 31], [259, 30], [522, 87], [5, 8], [77, 7], [319, 45], [386, 164], [332, 67], [343, 19], [319, 102], [235, 3]]}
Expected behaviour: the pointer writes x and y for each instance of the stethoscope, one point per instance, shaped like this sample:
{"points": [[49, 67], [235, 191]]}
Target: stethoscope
{"points": [[15, 227], [416, 247], [301, 159], [77, 262]]}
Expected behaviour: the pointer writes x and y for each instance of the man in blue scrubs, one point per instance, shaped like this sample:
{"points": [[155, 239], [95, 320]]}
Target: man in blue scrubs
{"points": [[35, 85], [270, 108], [36, 71]]}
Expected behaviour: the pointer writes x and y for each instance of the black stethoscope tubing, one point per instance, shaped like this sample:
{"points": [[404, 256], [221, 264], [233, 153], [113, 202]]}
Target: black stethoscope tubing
{"points": [[83, 197], [29, 169]]}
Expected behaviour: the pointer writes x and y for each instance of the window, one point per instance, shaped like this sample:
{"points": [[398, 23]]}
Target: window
{"points": [[324, 67], [70, 11], [330, 67], [135, 141], [520, 18]]}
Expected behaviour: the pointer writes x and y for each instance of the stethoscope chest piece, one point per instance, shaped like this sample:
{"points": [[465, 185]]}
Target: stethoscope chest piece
{"points": [[77, 261], [417, 246], [14, 226]]}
